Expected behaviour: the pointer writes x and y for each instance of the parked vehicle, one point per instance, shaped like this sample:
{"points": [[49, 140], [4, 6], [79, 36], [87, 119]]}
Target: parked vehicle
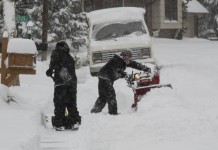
{"points": [[114, 29]]}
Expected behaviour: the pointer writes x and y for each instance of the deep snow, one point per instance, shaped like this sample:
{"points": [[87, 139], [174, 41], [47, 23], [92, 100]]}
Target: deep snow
{"points": [[182, 118]]}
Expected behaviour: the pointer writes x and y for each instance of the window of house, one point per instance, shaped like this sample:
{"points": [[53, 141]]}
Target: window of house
{"points": [[171, 10]]}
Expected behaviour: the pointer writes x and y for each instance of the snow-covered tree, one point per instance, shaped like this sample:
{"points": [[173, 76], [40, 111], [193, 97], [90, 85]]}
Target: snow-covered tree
{"points": [[209, 21], [9, 17], [79, 30], [79, 34], [63, 16], [32, 9]]}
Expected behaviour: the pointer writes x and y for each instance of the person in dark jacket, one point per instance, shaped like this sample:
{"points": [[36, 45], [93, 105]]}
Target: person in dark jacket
{"points": [[62, 71], [110, 72]]}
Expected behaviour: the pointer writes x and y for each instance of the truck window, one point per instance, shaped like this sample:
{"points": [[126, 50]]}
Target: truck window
{"points": [[115, 30]]}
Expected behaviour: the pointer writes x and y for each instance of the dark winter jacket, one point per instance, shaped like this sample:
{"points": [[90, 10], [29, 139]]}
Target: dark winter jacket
{"points": [[114, 68], [63, 66]]}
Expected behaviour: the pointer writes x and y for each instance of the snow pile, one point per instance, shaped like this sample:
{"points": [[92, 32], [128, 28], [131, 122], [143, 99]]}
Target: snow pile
{"points": [[18, 127], [5, 94]]}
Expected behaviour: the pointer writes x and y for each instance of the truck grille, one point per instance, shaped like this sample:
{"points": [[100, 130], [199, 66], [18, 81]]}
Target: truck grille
{"points": [[107, 55]]}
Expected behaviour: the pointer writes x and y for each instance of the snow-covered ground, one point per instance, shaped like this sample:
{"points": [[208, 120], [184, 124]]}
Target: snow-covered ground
{"points": [[182, 118]]}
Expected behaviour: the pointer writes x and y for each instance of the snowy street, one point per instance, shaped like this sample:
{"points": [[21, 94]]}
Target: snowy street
{"points": [[182, 118]]}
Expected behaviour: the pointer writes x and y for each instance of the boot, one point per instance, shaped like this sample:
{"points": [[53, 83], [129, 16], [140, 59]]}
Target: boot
{"points": [[57, 124], [96, 109]]}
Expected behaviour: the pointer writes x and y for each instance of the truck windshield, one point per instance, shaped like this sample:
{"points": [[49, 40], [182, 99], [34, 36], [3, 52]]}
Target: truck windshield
{"points": [[116, 30]]}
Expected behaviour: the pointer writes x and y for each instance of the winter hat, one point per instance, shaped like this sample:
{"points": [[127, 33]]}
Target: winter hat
{"points": [[126, 52], [62, 45]]}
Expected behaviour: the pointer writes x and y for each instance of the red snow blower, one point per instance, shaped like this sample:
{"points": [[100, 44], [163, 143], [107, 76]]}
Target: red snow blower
{"points": [[142, 82]]}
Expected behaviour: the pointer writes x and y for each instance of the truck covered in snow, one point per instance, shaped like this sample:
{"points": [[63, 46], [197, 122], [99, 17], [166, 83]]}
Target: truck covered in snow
{"points": [[114, 29]]}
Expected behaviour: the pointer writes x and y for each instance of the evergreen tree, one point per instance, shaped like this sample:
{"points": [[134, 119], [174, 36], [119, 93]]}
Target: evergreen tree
{"points": [[208, 22], [64, 20], [24, 8]]}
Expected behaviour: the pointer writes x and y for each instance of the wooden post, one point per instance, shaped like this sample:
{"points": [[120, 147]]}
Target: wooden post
{"points": [[16, 64], [44, 30], [4, 56]]}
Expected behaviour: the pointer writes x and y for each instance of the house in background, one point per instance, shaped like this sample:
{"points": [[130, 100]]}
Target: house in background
{"points": [[167, 18], [162, 16], [194, 12]]}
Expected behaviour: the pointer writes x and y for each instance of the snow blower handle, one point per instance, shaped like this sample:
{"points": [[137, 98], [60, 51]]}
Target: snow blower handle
{"points": [[130, 79], [147, 69]]}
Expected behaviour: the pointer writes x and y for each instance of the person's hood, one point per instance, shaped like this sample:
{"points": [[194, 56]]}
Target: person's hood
{"points": [[63, 46]]}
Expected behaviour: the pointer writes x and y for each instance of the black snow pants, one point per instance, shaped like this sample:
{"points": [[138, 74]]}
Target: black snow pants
{"points": [[106, 95], [65, 98]]}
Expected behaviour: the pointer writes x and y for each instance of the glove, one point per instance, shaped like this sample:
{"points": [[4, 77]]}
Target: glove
{"points": [[49, 72], [146, 69], [123, 74]]}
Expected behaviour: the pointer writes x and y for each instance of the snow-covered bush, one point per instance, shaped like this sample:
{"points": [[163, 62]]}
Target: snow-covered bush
{"points": [[5, 94], [208, 22]]}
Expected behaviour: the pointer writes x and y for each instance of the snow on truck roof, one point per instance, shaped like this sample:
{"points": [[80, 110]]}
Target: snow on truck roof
{"points": [[115, 14], [21, 46]]}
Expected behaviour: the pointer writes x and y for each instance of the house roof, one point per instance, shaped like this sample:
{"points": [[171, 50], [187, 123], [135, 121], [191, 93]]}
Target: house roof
{"points": [[118, 13], [195, 7]]}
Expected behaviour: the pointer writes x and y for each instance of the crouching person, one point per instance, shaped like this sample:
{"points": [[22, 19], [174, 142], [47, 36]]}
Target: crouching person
{"points": [[110, 72], [62, 71]]}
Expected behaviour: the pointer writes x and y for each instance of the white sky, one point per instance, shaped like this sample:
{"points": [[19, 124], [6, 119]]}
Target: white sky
{"points": [[184, 117]]}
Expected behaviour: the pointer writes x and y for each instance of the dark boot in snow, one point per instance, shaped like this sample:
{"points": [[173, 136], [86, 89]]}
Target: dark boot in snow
{"points": [[72, 122], [96, 109], [57, 124], [112, 107], [99, 105], [59, 128], [75, 126]]}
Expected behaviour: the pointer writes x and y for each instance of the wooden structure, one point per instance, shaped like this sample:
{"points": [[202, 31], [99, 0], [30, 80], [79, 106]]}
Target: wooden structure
{"points": [[16, 59]]}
